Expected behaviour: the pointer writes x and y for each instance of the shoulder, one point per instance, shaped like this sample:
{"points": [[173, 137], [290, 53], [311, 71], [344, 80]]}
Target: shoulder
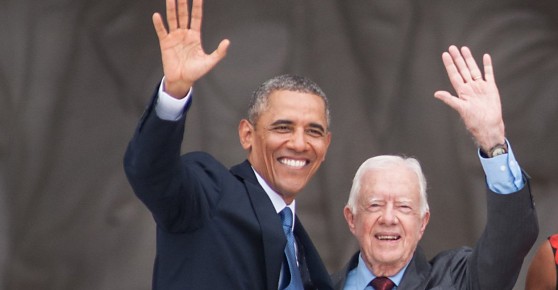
{"points": [[201, 168], [452, 262], [203, 161], [201, 158]]}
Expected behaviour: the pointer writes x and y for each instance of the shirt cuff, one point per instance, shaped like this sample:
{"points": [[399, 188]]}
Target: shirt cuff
{"points": [[503, 174], [169, 108]]}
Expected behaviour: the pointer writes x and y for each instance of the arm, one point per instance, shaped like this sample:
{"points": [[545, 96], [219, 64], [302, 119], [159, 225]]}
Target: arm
{"points": [[152, 162], [511, 227], [478, 103], [542, 271]]}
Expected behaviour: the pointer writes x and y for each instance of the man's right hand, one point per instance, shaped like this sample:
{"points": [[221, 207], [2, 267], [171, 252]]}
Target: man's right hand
{"points": [[184, 60], [477, 100]]}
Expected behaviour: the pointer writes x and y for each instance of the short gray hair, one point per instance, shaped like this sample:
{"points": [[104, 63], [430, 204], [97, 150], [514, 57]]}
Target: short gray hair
{"points": [[384, 161], [293, 83]]}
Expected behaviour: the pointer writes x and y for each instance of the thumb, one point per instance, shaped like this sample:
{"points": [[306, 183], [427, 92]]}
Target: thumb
{"points": [[448, 98], [221, 51]]}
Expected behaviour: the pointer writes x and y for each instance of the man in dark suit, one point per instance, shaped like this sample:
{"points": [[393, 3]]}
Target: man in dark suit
{"points": [[388, 211], [219, 228]]}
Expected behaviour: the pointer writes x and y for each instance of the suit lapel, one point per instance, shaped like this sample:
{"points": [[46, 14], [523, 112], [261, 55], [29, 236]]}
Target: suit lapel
{"points": [[312, 268], [416, 275], [273, 238], [418, 272]]}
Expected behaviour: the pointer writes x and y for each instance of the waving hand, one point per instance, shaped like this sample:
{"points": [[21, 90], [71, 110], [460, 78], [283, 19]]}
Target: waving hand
{"points": [[184, 60], [477, 100]]}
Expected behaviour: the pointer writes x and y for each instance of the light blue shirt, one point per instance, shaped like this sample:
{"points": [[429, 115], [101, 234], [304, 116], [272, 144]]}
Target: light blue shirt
{"points": [[360, 277], [503, 174]]}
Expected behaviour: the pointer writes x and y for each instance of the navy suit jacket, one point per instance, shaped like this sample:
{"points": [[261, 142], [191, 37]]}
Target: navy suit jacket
{"points": [[216, 228], [494, 262]]}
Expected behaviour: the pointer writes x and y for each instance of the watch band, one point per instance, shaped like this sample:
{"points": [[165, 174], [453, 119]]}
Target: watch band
{"points": [[498, 149]]}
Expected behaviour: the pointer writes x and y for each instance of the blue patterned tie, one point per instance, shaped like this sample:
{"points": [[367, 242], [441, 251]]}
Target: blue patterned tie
{"points": [[291, 276]]}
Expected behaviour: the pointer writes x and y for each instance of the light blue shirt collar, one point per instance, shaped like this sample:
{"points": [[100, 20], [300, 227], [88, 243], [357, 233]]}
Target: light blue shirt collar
{"points": [[360, 277]]}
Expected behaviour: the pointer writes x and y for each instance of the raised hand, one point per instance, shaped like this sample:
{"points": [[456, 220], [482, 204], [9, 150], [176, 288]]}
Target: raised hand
{"points": [[477, 100], [184, 60]]}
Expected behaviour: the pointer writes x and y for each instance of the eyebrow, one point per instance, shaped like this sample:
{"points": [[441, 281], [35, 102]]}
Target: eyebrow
{"points": [[288, 122], [405, 201], [397, 201], [282, 122]]}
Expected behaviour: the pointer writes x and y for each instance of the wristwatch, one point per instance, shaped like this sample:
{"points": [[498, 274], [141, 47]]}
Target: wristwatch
{"points": [[498, 149]]}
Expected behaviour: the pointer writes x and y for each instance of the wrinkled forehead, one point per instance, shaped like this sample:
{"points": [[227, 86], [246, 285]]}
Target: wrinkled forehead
{"points": [[395, 182]]}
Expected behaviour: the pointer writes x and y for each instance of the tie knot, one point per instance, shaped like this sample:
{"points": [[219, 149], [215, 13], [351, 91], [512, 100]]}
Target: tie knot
{"points": [[287, 218], [382, 283]]}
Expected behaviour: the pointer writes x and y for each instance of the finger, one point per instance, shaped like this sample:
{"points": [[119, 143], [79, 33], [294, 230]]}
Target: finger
{"points": [[221, 51], [488, 68], [449, 99], [171, 15], [183, 13], [476, 74], [453, 74], [197, 13], [159, 26], [460, 63]]}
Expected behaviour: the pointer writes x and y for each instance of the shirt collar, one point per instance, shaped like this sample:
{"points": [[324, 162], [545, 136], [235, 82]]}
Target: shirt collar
{"points": [[364, 276], [278, 202]]}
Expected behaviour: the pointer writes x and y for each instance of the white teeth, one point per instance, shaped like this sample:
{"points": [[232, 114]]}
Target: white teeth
{"points": [[293, 163], [387, 237]]}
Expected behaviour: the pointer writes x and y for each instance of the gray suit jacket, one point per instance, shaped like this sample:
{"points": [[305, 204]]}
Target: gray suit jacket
{"points": [[492, 264]]}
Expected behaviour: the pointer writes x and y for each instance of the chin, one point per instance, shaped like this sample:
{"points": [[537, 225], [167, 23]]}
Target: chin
{"points": [[391, 260], [290, 190]]}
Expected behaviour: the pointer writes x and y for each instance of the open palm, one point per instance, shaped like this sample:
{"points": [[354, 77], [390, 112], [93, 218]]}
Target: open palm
{"points": [[478, 99], [184, 60]]}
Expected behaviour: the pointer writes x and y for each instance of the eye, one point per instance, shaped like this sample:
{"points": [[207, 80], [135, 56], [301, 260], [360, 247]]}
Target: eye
{"points": [[281, 129], [405, 208], [315, 133], [373, 207]]}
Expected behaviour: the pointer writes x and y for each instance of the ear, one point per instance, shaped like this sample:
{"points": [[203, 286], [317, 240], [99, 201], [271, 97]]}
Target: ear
{"points": [[425, 220], [328, 141], [350, 218], [245, 133]]}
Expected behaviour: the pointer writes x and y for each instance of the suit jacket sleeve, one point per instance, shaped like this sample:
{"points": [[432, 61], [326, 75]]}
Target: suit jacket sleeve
{"points": [[510, 232], [164, 181]]}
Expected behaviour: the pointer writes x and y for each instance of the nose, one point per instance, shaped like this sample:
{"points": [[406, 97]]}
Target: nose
{"points": [[389, 216], [297, 141]]}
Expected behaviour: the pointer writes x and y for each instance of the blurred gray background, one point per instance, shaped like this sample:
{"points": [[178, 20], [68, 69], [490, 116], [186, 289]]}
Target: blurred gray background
{"points": [[76, 75]]}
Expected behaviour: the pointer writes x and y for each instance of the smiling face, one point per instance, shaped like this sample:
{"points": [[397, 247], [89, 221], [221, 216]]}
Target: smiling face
{"points": [[288, 142], [387, 219]]}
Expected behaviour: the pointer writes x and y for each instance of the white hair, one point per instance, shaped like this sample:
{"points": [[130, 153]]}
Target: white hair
{"points": [[384, 161]]}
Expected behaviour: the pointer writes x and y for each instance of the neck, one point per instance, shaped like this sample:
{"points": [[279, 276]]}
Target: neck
{"points": [[385, 270]]}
